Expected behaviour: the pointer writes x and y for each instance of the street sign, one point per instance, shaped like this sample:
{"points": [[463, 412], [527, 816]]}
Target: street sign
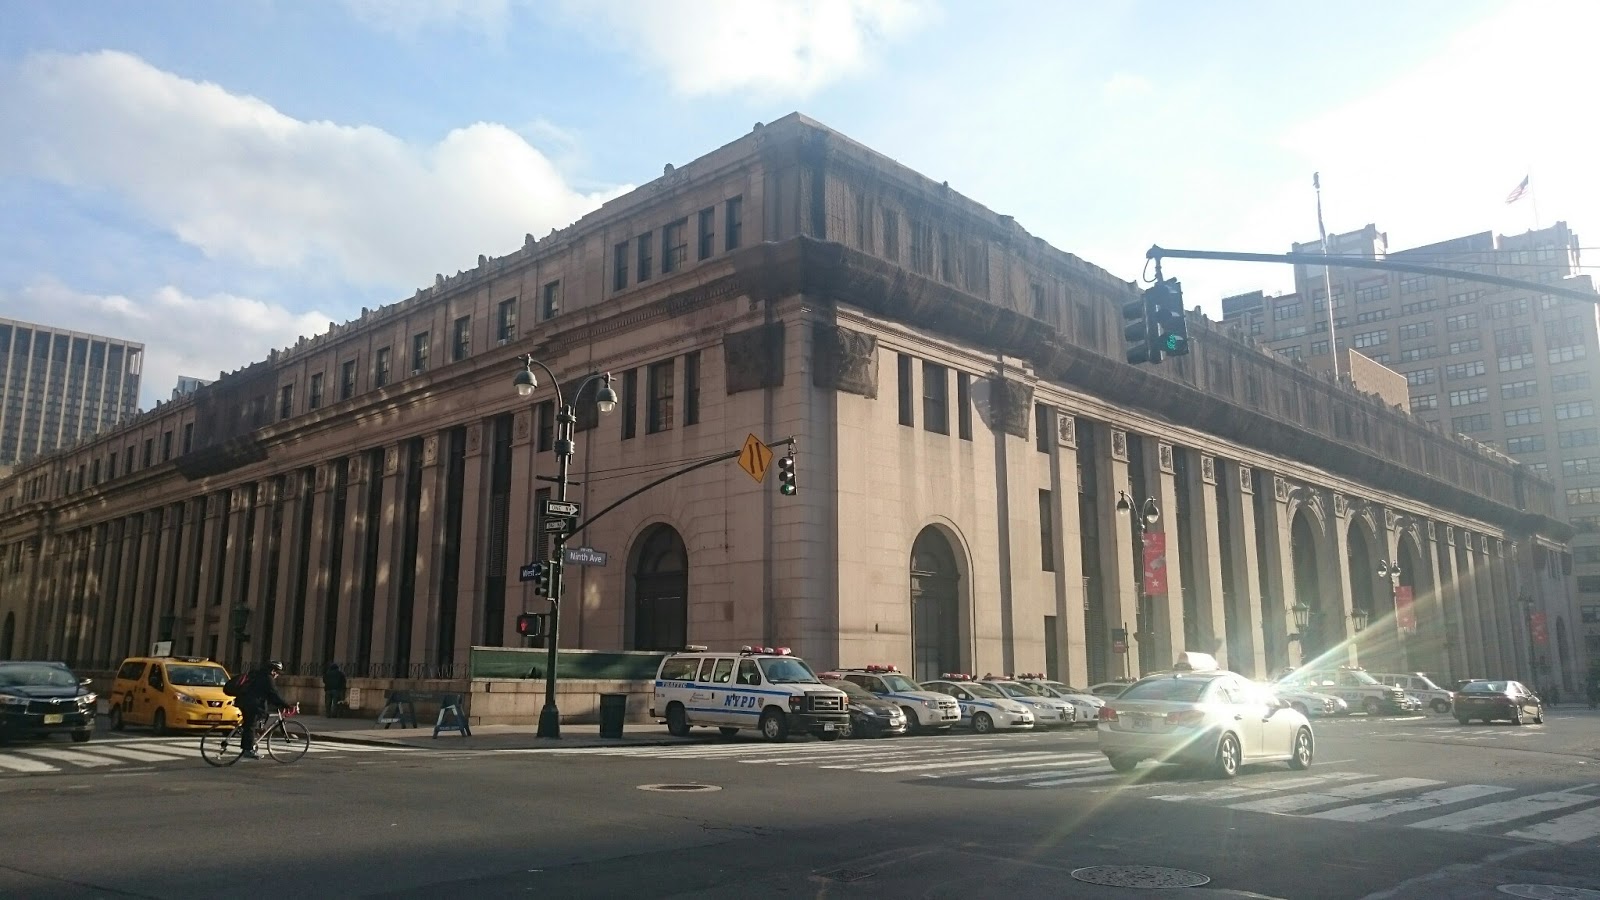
{"points": [[1155, 564], [563, 508], [565, 524], [584, 556], [1119, 646], [530, 572], [754, 458]]}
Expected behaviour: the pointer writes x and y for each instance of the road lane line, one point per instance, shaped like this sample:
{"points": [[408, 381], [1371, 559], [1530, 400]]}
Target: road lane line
{"points": [[1296, 802], [77, 758], [1081, 779], [963, 764], [1504, 811], [23, 764], [1568, 829], [1072, 769], [141, 755], [1367, 812], [1288, 784], [1064, 760]]}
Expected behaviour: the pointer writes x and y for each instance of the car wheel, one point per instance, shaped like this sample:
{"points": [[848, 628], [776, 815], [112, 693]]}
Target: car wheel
{"points": [[1463, 721], [728, 731], [982, 724], [158, 725], [82, 737], [116, 719], [913, 724], [1516, 716], [1372, 707], [1441, 706], [774, 727], [677, 721], [1123, 763], [832, 735], [1538, 717], [1228, 757], [1300, 754]]}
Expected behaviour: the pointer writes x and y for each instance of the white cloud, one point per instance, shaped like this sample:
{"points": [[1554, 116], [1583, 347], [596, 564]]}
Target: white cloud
{"points": [[182, 334], [1124, 86], [769, 47], [241, 181]]}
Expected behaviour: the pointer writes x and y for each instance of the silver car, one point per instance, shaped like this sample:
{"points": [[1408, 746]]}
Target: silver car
{"points": [[1214, 719]]}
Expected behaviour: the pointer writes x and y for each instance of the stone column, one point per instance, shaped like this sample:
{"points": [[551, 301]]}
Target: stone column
{"points": [[1205, 542], [1166, 610], [1071, 649], [1472, 606], [1246, 647], [254, 589], [469, 590], [1337, 597], [386, 585], [430, 533], [286, 590], [355, 529], [1116, 548], [1432, 626], [172, 547], [126, 577], [1278, 591], [520, 537], [144, 591], [318, 578]]}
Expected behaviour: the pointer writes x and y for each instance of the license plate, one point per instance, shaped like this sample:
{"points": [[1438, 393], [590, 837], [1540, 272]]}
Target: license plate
{"points": [[54, 720], [213, 716], [827, 726]]}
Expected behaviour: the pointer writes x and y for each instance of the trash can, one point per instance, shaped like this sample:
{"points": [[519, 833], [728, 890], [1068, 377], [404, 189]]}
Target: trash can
{"points": [[613, 711]]}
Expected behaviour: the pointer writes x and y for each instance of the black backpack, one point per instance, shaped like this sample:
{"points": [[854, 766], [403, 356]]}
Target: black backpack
{"points": [[235, 684]]}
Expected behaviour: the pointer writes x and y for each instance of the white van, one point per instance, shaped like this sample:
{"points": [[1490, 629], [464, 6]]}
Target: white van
{"points": [[759, 687]]}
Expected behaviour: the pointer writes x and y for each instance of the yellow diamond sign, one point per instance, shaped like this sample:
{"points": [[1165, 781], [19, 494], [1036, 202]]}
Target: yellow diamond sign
{"points": [[754, 458]]}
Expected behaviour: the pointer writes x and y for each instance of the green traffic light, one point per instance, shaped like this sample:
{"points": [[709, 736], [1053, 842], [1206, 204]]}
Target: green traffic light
{"points": [[1174, 343], [786, 489]]}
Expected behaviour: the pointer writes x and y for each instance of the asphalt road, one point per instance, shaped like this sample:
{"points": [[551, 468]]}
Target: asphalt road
{"points": [[1418, 808]]}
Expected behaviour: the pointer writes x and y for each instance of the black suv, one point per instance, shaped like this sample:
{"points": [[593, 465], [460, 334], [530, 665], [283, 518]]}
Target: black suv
{"points": [[41, 698]]}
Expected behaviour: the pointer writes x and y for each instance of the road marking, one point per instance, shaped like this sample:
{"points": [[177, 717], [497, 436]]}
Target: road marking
{"points": [[964, 764], [77, 758], [1568, 829], [141, 755], [1383, 809], [23, 764], [1058, 773], [1296, 802], [1289, 784], [1505, 811]]}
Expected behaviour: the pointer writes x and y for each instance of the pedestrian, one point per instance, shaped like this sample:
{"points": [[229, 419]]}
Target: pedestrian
{"points": [[333, 686], [1555, 695]]}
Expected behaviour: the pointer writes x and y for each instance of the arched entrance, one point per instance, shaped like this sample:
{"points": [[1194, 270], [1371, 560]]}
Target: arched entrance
{"points": [[1307, 586], [8, 635], [935, 606], [660, 590], [1363, 569]]}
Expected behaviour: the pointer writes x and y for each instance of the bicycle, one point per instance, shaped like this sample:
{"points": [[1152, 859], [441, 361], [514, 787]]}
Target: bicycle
{"points": [[284, 739]]}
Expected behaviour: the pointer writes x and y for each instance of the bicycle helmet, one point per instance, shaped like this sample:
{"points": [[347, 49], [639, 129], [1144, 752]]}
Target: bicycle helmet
{"points": [[275, 666]]}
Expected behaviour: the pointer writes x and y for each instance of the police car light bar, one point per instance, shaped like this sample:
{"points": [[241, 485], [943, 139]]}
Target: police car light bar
{"points": [[782, 651], [694, 648]]}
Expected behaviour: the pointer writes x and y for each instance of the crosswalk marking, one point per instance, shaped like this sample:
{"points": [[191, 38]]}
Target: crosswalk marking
{"points": [[1079, 768], [1270, 787], [23, 764], [77, 758], [1568, 829], [135, 755], [43, 759], [1506, 811], [1368, 812], [1332, 795]]}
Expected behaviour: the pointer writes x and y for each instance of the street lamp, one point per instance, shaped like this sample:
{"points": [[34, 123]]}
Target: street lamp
{"points": [[605, 399], [1149, 515], [1302, 619], [1358, 618]]}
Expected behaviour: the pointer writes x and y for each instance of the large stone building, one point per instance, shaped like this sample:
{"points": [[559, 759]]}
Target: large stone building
{"points": [[963, 426], [59, 386], [1515, 368]]}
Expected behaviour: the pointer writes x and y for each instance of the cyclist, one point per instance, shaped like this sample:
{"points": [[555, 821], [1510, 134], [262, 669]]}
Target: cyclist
{"points": [[258, 699]]}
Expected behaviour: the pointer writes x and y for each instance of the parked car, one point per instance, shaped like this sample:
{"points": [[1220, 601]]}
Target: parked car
{"points": [[1491, 700], [44, 698], [171, 693], [870, 715]]}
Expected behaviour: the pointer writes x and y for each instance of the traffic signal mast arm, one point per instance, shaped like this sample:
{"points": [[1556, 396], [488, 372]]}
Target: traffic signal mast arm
{"points": [[788, 441], [1316, 259]]}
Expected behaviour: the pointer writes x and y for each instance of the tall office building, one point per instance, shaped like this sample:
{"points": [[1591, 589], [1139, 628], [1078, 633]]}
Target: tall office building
{"points": [[57, 386], [187, 384], [1513, 368]]}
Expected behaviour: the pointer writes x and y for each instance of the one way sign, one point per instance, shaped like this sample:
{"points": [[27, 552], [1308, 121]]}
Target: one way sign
{"points": [[565, 509]]}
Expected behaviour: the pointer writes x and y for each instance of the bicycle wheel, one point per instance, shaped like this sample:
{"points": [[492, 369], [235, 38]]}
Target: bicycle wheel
{"points": [[222, 746], [288, 741]]}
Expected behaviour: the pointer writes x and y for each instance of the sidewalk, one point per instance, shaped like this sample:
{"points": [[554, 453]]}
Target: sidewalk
{"points": [[484, 737]]}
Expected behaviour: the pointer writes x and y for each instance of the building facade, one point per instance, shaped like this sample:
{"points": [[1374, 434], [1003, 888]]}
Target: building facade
{"points": [[187, 384], [963, 426], [58, 387], [1514, 368]]}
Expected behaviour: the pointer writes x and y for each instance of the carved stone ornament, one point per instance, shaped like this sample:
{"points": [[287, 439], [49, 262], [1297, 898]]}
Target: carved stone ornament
{"points": [[1483, 544], [753, 359], [1067, 430], [1390, 520], [1013, 405], [430, 449], [1450, 535], [238, 501], [1247, 480], [1433, 531], [1280, 489], [1341, 506], [1119, 445], [522, 427], [1164, 457], [844, 360], [474, 438], [391, 461], [1208, 469]]}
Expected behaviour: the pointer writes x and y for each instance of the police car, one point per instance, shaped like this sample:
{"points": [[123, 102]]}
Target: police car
{"points": [[983, 708], [1048, 711], [1085, 705], [762, 688], [923, 709]]}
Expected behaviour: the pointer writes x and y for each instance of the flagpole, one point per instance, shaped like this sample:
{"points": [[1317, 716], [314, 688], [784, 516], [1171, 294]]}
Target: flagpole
{"points": [[1327, 276]]}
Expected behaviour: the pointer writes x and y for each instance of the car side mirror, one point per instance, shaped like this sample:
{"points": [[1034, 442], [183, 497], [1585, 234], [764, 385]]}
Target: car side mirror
{"points": [[85, 682]]}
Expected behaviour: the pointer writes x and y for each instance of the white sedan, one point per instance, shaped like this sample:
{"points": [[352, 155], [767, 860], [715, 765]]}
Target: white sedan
{"points": [[1215, 719]]}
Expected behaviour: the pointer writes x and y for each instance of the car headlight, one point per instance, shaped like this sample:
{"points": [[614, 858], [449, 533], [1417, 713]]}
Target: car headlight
{"points": [[185, 698], [88, 699], [869, 712], [9, 700]]}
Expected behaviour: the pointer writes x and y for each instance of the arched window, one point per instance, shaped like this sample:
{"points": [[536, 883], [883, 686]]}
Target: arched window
{"points": [[661, 591]]}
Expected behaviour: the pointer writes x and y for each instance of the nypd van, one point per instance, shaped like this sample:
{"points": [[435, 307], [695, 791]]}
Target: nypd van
{"points": [[924, 709], [761, 688]]}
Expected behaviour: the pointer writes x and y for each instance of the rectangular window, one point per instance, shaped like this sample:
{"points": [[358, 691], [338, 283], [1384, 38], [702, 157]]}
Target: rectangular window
{"points": [[1041, 308], [1469, 396], [630, 403], [935, 398], [619, 264], [188, 437], [1463, 322], [1514, 362], [380, 372], [1505, 309], [964, 406], [674, 246], [921, 248], [1577, 381], [733, 223], [1420, 402], [1585, 495], [1510, 340], [1532, 443], [1588, 465], [691, 388], [891, 235], [166, 445], [1044, 426], [1371, 339], [1565, 354], [1469, 424], [643, 262], [1471, 345], [149, 452], [1582, 437], [1421, 376], [461, 343], [1415, 330], [1284, 311], [1526, 416], [706, 231], [285, 402], [1514, 390], [347, 380], [314, 400], [1578, 409], [1319, 348], [1458, 371], [947, 260], [908, 414], [545, 423], [1047, 532], [506, 320], [550, 301], [660, 415], [1413, 284], [1372, 291], [420, 344]]}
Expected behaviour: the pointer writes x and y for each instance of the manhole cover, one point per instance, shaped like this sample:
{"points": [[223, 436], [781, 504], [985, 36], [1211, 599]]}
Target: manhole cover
{"points": [[680, 788], [1548, 892], [1140, 877]]}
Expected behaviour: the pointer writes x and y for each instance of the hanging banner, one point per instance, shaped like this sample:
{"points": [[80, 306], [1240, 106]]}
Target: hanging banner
{"points": [[1541, 632], [1405, 613], [1155, 563]]}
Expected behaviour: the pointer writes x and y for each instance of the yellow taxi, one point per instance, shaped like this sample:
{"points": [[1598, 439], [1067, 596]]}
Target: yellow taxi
{"points": [[170, 693]]}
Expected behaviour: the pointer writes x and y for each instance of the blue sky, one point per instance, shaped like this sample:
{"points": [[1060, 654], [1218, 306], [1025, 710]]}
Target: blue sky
{"points": [[218, 179]]}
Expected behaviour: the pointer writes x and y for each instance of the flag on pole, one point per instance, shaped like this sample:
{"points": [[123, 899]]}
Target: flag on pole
{"points": [[1521, 189]]}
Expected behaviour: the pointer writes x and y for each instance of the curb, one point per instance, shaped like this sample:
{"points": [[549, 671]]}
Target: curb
{"points": [[575, 744]]}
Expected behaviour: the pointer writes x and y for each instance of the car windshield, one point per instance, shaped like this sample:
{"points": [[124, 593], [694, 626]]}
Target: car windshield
{"points": [[36, 675], [1015, 689], [1486, 687], [1060, 688], [1357, 677], [899, 683], [783, 670], [1176, 690], [856, 691], [984, 690], [197, 676]]}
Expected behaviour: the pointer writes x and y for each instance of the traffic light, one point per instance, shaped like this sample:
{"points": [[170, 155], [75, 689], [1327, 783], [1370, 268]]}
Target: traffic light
{"points": [[1172, 325], [531, 625], [541, 578], [786, 483], [1141, 334]]}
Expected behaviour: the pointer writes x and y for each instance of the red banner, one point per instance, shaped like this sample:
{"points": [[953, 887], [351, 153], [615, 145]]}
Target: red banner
{"points": [[1405, 612], [1155, 563], [1541, 631]]}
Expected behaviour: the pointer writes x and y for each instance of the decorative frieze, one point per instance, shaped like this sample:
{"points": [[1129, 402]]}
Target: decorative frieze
{"points": [[1450, 535], [753, 358], [1208, 469], [1247, 480], [1067, 430], [1013, 405], [1119, 445], [1341, 505], [391, 461], [1164, 457], [844, 360], [1433, 530], [430, 450], [1280, 488], [474, 438], [522, 427]]}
